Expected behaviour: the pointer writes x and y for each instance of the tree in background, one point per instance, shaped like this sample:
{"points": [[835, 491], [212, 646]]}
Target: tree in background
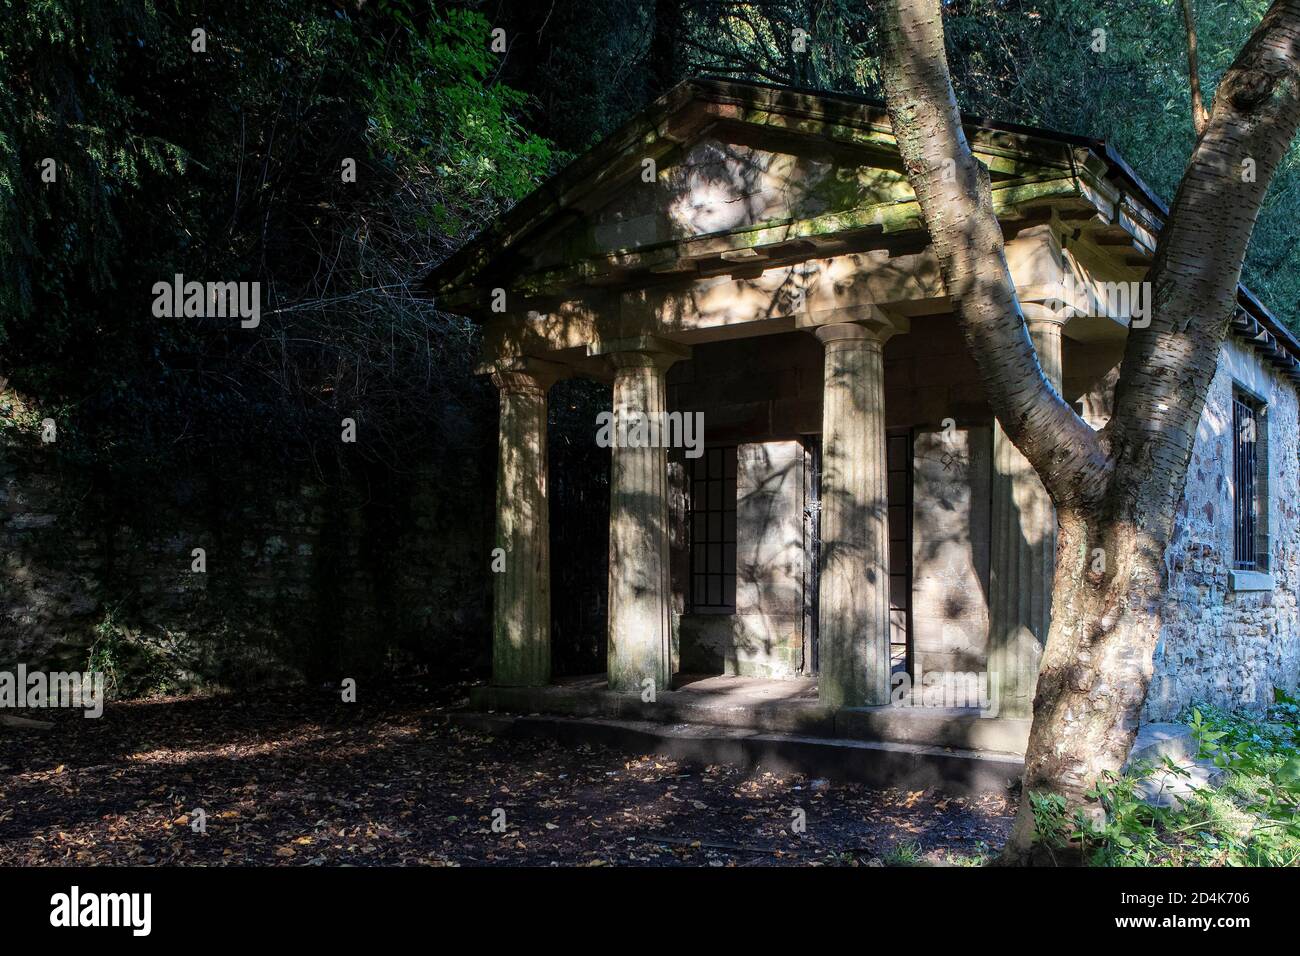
{"points": [[1037, 62], [232, 159], [226, 163]]}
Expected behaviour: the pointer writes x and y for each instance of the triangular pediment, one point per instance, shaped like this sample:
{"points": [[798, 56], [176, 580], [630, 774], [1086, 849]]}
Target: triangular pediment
{"points": [[729, 171], [726, 183]]}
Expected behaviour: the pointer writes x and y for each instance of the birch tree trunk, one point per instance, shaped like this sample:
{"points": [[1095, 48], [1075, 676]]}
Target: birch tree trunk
{"points": [[1115, 491]]}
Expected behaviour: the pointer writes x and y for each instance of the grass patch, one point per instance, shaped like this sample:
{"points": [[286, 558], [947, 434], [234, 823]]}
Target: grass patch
{"points": [[1252, 818]]}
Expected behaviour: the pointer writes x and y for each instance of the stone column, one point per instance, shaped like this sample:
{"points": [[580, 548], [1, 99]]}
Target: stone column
{"points": [[521, 623], [853, 593], [640, 584], [1023, 548]]}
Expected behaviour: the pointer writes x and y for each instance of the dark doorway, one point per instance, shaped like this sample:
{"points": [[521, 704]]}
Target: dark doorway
{"points": [[578, 487], [899, 457], [812, 539]]}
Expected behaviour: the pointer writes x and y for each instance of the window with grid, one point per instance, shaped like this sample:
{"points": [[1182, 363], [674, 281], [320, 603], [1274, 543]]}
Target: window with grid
{"points": [[1249, 483], [713, 531]]}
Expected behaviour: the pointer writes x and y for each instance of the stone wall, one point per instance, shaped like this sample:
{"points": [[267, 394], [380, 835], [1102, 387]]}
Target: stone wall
{"points": [[305, 578], [1220, 644]]}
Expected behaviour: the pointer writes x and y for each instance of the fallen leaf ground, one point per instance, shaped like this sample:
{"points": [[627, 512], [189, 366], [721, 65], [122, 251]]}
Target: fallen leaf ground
{"points": [[295, 778]]}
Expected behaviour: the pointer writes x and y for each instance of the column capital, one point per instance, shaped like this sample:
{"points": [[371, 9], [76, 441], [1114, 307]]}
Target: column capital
{"points": [[640, 351], [1046, 322], [877, 329], [1056, 302], [1047, 312], [523, 373]]}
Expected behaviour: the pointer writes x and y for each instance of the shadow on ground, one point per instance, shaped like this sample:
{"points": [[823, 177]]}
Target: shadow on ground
{"points": [[298, 777]]}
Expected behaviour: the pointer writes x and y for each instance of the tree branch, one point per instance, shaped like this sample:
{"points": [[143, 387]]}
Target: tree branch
{"points": [[954, 192], [1168, 365], [1200, 116]]}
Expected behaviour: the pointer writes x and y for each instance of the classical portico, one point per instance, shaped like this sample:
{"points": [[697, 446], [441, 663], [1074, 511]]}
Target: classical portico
{"points": [[860, 521]]}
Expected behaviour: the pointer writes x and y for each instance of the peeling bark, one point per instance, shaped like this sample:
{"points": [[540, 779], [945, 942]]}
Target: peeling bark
{"points": [[1116, 490]]}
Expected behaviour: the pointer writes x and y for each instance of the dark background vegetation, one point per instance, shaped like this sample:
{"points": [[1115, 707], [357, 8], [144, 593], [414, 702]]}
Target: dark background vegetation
{"points": [[225, 165]]}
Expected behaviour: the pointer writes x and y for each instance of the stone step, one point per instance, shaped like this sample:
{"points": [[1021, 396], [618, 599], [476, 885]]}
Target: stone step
{"points": [[962, 728], [875, 763], [1164, 788], [1157, 740]]}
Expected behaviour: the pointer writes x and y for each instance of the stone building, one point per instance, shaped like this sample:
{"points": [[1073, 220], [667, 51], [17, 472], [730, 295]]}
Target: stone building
{"points": [[855, 521]]}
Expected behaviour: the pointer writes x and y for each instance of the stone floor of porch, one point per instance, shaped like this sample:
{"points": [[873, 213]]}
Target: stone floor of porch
{"points": [[789, 706]]}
